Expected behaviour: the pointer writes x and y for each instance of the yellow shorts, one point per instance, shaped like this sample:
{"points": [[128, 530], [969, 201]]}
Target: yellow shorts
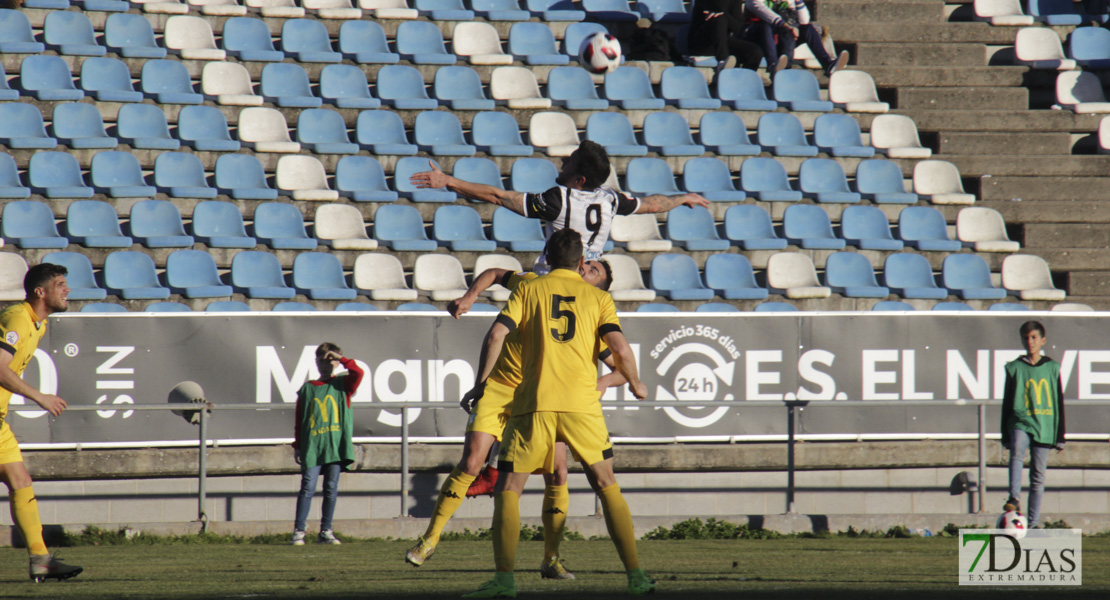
{"points": [[9, 447], [492, 410], [529, 442]]}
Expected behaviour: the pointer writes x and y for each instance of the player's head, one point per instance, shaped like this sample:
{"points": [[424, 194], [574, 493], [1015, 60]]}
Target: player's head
{"points": [[586, 168], [564, 249], [1032, 336], [46, 283], [597, 273], [324, 364]]}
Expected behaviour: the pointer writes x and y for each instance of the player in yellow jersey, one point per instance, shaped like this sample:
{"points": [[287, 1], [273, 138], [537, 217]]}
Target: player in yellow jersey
{"points": [[22, 326], [487, 421], [562, 322]]}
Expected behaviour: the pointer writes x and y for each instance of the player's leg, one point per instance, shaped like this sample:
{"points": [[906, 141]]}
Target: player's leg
{"points": [[1019, 443], [1038, 467], [331, 473], [556, 503], [309, 475]]}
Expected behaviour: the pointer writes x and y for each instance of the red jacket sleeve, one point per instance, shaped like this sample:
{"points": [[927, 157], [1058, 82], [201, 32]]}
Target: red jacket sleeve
{"points": [[353, 379]]}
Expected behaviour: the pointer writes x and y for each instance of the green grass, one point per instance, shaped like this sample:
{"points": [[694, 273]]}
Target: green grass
{"points": [[837, 567]]}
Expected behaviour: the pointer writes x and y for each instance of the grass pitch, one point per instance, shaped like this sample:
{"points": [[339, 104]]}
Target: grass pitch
{"points": [[689, 569]]}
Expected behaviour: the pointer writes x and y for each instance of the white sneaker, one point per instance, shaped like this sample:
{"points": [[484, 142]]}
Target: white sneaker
{"points": [[327, 537], [838, 64], [298, 538]]}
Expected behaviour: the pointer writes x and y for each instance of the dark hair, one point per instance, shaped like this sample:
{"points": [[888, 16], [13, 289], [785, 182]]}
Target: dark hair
{"points": [[1030, 326], [326, 347], [605, 285], [40, 275], [564, 249], [593, 164]]}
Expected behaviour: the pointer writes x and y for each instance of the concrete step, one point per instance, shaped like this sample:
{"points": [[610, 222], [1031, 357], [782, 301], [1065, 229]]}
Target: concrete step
{"points": [[1003, 143], [1077, 259], [1025, 210], [881, 11], [1081, 198], [963, 98], [941, 76], [999, 120], [1092, 285], [946, 55], [1067, 235], [1049, 165], [854, 32]]}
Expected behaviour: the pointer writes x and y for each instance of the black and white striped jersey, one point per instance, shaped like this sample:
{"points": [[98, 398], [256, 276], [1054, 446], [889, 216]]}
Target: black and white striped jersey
{"points": [[590, 213]]}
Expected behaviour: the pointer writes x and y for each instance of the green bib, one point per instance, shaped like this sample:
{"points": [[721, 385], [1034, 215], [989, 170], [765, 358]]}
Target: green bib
{"points": [[327, 424]]}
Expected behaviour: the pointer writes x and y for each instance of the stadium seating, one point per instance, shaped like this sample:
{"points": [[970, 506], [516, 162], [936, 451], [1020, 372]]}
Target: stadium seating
{"points": [[939, 181], [749, 226], [648, 175], [676, 277], [79, 277], [204, 128], [517, 233], [93, 224], [497, 134], [181, 175], [191, 38], [119, 175], [362, 179], [765, 178], [248, 39], [533, 175], [968, 276], [1089, 47], [1054, 12], [16, 34], [614, 131], [11, 187], [319, 275], [716, 307], [281, 227], [258, 275], [742, 89], [158, 224], [881, 182], [6, 92], [478, 170], [710, 177], [731, 277], [103, 307], [287, 86], [167, 307], [47, 77], [793, 275], [307, 41], [517, 88], [854, 91], [499, 10], [952, 306], [692, 228], [686, 88], [484, 262], [79, 126], [850, 274], [323, 131], [923, 228], [554, 132], [478, 42], [1040, 48], [422, 43], [667, 134], [70, 33], [630, 89], [407, 167], [637, 233], [895, 136], [381, 277], [30, 224], [402, 87], [108, 80], [220, 225], [144, 126], [628, 282], [725, 134], [333, 9], [227, 306], [444, 10], [356, 307], [839, 135], [1028, 277], [364, 42], [555, 10], [1071, 307], [892, 305], [1081, 91], [241, 177], [57, 175], [389, 9], [984, 230], [400, 227], [228, 84], [439, 133], [1002, 13], [781, 134], [130, 275], [867, 228], [657, 307], [382, 132], [168, 82], [13, 268], [808, 227], [823, 180], [303, 178], [534, 44], [797, 90], [460, 88], [21, 126], [460, 229], [192, 273], [130, 36], [439, 276]]}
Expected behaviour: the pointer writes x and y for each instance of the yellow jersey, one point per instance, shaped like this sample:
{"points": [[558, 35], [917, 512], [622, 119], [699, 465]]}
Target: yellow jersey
{"points": [[21, 333], [507, 368], [560, 320]]}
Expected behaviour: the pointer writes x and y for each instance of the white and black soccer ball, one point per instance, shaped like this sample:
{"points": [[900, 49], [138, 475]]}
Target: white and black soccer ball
{"points": [[1013, 522], [600, 53]]}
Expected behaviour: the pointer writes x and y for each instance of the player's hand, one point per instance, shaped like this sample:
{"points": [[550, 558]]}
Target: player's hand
{"points": [[638, 389], [430, 179], [470, 398], [332, 355], [52, 404], [460, 306], [297, 456], [693, 200]]}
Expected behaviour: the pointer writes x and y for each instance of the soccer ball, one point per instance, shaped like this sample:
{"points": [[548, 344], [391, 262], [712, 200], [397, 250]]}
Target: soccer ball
{"points": [[1013, 522], [600, 53]]}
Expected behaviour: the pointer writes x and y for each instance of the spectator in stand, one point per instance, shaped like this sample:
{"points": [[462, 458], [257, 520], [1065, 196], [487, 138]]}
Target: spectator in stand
{"points": [[788, 21], [715, 29]]}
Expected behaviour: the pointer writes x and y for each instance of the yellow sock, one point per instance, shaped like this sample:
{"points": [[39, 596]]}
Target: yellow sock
{"points": [[618, 520], [25, 515], [556, 502], [451, 497], [506, 530]]}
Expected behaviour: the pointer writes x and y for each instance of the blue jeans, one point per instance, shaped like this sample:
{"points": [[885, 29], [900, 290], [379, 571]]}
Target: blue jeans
{"points": [[764, 34], [308, 489], [1038, 464]]}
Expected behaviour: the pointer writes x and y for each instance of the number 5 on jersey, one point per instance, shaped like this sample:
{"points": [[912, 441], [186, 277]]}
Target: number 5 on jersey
{"points": [[558, 313]]}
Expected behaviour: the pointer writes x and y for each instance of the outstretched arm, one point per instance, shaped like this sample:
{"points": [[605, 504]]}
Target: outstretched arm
{"points": [[460, 306], [657, 203], [625, 362], [436, 178]]}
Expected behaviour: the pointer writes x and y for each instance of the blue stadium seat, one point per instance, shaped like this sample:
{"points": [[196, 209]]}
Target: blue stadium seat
{"points": [[478, 170], [716, 307], [924, 228], [951, 306], [220, 225], [30, 224], [108, 80], [823, 179], [614, 131], [781, 134], [1055, 12], [402, 87], [319, 276], [444, 10], [258, 275], [1090, 47], [765, 178], [775, 307], [192, 273], [357, 307], [667, 134], [166, 307], [499, 10], [881, 182], [103, 307], [345, 86], [168, 82], [6, 92], [364, 42], [422, 43], [534, 44], [460, 88], [157, 224], [307, 40], [181, 175], [286, 85], [969, 277], [293, 307], [573, 88], [685, 87], [1008, 307], [709, 176], [630, 88], [405, 168], [281, 227], [692, 227], [383, 132], [248, 39], [850, 275], [517, 232], [797, 90], [742, 89], [460, 228], [227, 306], [131, 276], [648, 175], [16, 36], [71, 32], [47, 77], [663, 11], [119, 175], [130, 35], [439, 133], [94, 224], [362, 179], [724, 133], [483, 307], [143, 126], [533, 175], [676, 277], [57, 175], [241, 177], [204, 128], [400, 227], [750, 227], [79, 126], [892, 305], [910, 276], [867, 228], [80, 279], [653, 307], [416, 307], [610, 10], [807, 226], [731, 277], [47, 4], [839, 135], [21, 126], [555, 10], [497, 134], [324, 131], [11, 187]]}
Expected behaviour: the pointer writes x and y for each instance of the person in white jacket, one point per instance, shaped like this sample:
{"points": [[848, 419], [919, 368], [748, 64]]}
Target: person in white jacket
{"points": [[789, 21]]}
